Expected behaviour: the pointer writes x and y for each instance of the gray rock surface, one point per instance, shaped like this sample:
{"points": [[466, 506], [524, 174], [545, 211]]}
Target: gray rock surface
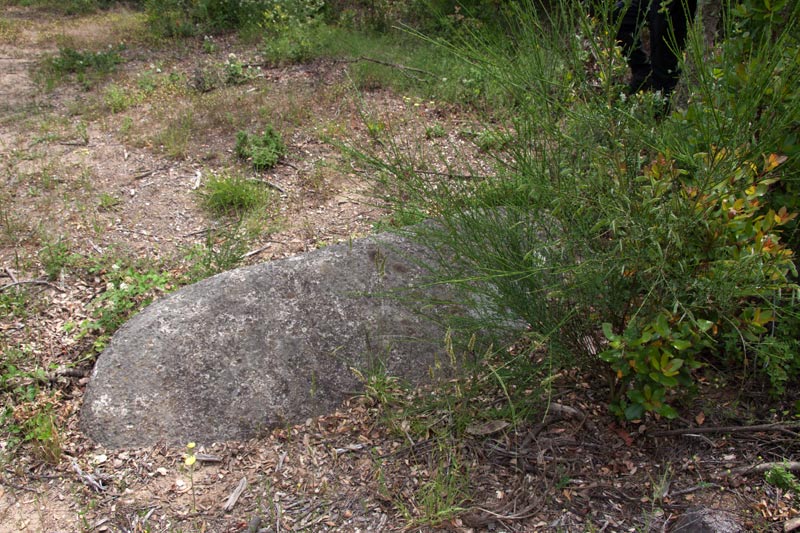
{"points": [[706, 520], [256, 347]]}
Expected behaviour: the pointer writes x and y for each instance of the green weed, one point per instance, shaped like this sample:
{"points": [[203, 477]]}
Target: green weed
{"points": [[436, 131], [263, 151], [443, 495], [107, 202], [235, 71], [129, 288], [55, 257], [233, 195], [87, 66], [8, 30], [780, 476], [222, 250], [15, 303], [70, 7], [118, 99], [28, 414], [175, 137]]}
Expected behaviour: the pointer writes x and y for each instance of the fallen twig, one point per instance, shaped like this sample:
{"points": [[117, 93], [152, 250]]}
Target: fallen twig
{"points": [[234, 497], [197, 177], [268, 184], [208, 458], [10, 274], [692, 489], [287, 164], [141, 174], [349, 448], [259, 250], [207, 230], [31, 282], [88, 479], [100, 522], [388, 64], [724, 429], [522, 514], [447, 174], [792, 466], [279, 465]]}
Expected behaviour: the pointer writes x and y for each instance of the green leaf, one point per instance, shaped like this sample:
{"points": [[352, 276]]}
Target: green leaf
{"points": [[667, 411], [672, 367], [661, 325], [704, 325], [610, 356], [634, 411], [636, 396], [681, 344], [609, 333]]}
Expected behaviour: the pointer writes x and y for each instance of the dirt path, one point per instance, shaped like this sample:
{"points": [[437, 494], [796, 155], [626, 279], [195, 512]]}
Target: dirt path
{"points": [[112, 167]]}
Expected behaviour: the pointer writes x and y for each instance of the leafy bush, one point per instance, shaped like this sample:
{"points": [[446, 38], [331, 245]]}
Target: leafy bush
{"points": [[647, 246], [183, 18], [263, 151], [292, 30]]}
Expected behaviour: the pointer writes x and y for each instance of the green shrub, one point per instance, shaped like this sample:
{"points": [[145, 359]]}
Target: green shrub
{"points": [[292, 30], [643, 245], [263, 151], [184, 18]]}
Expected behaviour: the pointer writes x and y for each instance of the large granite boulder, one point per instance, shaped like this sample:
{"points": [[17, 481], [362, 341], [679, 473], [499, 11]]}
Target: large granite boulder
{"points": [[707, 520], [256, 347]]}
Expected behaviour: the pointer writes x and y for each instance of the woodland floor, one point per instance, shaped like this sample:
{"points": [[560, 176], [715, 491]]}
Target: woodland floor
{"points": [[103, 175]]}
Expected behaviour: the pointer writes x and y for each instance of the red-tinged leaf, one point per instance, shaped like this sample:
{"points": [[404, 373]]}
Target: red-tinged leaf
{"points": [[621, 433], [773, 161]]}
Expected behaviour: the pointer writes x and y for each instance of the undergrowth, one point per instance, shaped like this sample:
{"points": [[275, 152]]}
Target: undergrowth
{"points": [[650, 246]]}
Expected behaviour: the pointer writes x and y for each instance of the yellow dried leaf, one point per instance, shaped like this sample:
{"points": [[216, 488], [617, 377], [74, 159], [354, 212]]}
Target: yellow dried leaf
{"points": [[773, 161]]}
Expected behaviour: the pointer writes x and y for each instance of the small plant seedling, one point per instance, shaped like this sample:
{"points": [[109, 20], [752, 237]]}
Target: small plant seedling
{"points": [[55, 256], [189, 461], [235, 71], [107, 202], [209, 46], [118, 99]]}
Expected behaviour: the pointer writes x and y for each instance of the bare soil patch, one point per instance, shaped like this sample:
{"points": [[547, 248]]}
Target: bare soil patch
{"points": [[114, 166]]}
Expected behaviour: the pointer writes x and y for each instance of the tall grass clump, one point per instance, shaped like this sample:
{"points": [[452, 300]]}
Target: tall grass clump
{"points": [[645, 239]]}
